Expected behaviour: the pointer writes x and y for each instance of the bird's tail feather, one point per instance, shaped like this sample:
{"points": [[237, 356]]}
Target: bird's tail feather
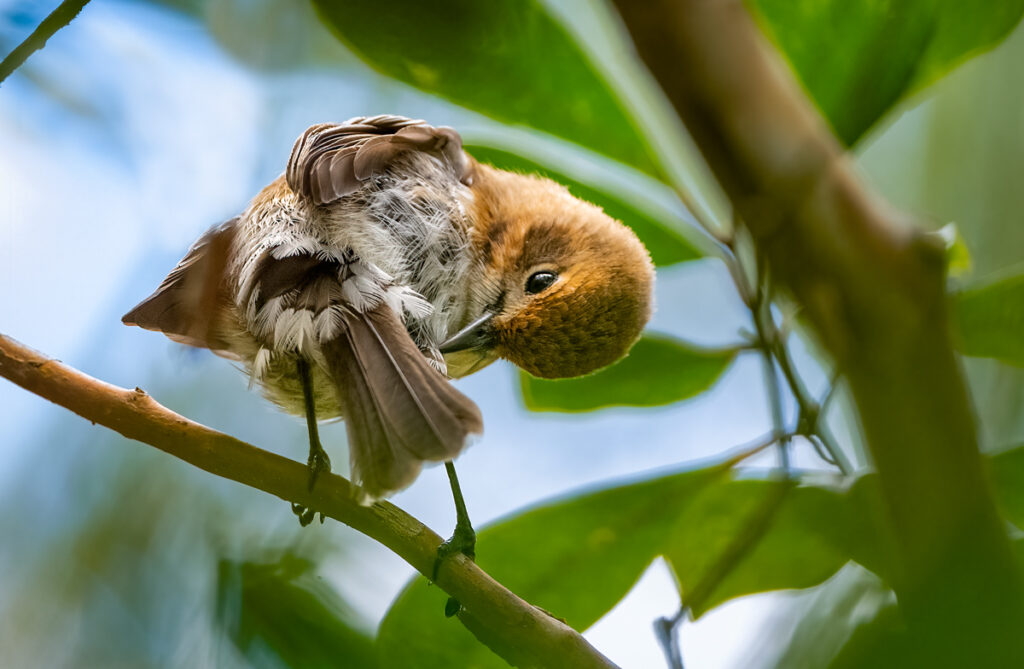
{"points": [[399, 410]]}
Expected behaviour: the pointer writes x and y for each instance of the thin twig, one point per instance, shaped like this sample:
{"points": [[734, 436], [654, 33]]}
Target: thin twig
{"points": [[761, 310], [772, 343], [522, 634], [809, 420], [57, 19], [666, 630], [815, 442], [830, 393], [810, 410], [742, 452]]}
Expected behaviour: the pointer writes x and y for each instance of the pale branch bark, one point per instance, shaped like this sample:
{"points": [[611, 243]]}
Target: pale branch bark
{"points": [[872, 287], [57, 19], [519, 632]]}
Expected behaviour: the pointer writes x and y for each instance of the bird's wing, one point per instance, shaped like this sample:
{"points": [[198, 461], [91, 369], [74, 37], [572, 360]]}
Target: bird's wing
{"points": [[331, 160], [187, 305], [400, 411]]}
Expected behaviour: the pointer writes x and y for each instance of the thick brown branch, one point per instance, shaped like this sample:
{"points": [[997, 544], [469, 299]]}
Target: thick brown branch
{"points": [[873, 288], [522, 634]]}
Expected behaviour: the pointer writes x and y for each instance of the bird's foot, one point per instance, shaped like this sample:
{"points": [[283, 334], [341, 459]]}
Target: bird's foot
{"points": [[318, 462], [305, 515], [462, 541]]}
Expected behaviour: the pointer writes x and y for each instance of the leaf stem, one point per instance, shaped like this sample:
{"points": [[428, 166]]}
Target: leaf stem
{"points": [[667, 632]]}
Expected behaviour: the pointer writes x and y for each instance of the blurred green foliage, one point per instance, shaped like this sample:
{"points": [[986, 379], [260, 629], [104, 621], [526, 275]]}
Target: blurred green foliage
{"points": [[577, 557], [512, 61], [858, 59], [279, 608], [659, 370]]}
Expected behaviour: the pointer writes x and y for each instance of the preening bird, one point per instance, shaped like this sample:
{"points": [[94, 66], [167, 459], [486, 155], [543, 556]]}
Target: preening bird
{"points": [[385, 260]]}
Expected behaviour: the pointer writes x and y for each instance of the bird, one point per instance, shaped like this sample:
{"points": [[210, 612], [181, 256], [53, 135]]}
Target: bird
{"points": [[385, 261]]}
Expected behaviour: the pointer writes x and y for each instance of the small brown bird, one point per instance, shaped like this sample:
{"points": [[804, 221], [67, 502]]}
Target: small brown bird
{"points": [[386, 258]]}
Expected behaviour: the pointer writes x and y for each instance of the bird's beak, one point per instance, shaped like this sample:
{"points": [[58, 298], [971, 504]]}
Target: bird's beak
{"points": [[476, 335]]}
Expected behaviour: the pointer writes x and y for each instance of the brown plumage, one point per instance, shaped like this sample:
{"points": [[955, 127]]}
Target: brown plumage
{"points": [[601, 300], [330, 161], [384, 257]]}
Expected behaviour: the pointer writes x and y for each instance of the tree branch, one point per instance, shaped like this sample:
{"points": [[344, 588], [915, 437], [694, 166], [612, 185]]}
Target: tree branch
{"points": [[873, 290], [519, 632], [57, 19]]}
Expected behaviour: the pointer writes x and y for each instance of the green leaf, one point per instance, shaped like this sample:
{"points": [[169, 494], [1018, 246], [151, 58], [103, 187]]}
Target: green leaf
{"points": [[575, 558], [1008, 478], [989, 320], [664, 242], [659, 370], [509, 60], [858, 59], [746, 536], [829, 619], [883, 641], [579, 556], [279, 606]]}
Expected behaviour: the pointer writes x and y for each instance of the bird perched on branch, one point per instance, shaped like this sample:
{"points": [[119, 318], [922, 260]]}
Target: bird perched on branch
{"points": [[386, 260]]}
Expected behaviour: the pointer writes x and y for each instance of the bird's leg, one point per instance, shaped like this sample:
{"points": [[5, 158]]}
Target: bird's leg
{"points": [[318, 460], [463, 540]]}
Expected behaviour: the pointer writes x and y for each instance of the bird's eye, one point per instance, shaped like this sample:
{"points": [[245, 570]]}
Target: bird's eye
{"points": [[539, 281]]}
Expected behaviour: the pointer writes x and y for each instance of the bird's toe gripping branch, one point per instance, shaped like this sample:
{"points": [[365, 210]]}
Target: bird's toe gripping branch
{"points": [[318, 462], [462, 541]]}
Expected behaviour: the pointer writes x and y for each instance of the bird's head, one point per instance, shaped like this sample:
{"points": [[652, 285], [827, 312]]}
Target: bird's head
{"points": [[561, 288]]}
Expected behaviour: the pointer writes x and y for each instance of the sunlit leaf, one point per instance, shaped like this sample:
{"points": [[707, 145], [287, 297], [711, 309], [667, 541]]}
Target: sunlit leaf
{"points": [[857, 59], [989, 320], [278, 606], [575, 558], [512, 61], [659, 370], [663, 241]]}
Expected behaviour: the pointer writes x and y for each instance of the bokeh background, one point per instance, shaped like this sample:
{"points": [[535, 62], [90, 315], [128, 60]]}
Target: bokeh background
{"points": [[143, 123]]}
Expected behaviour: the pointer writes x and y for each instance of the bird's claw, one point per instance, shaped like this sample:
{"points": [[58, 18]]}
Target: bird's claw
{"points": [[462, 541], [305, 515], [318, 462]]}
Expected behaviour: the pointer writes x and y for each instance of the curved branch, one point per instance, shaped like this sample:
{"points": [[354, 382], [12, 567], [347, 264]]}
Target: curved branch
{"points": [[519, 632], [873, 288]]}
